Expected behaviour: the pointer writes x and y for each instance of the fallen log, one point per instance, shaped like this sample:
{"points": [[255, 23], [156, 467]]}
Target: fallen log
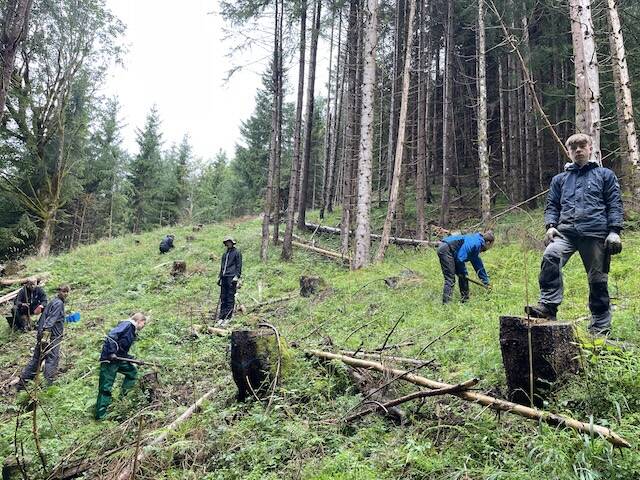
{"points": [[374, 236], [326, 253], [376, 356], [482, 399], [127, 472], [221, 332], [6, 282], [9, 296]]}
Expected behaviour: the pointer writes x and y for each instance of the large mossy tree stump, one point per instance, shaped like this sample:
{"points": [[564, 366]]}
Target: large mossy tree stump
{"points": [[179, 268], [253, 353], [554, 355]]}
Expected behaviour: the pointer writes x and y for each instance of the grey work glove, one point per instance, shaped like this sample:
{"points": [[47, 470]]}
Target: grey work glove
{"points": [[613, 243], [550, 235]]}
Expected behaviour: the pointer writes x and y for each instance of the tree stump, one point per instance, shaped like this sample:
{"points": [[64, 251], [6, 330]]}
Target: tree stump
{"points": [[309, 285], [197, 228], [179, 268], [554, 355], [150, 384], [251, 360], [191, 238]]}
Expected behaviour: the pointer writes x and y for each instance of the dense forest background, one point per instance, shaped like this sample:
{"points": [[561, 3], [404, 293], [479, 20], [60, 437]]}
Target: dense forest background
{"points": [[458, 105]]}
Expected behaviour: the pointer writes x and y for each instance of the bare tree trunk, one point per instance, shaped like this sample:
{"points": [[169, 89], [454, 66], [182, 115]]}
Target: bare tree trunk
{"points": [[421, 134], [529, 126], [351, 70], [279, 98], [395, 85], [264, 246], [447, 113], [367, 118], [328, 123], [287, 249], [14, 29], [586, 74], [483, 152], [337, 118], [46, 236], [624, 101], [304, 173], [402, 127], [503, 129]]}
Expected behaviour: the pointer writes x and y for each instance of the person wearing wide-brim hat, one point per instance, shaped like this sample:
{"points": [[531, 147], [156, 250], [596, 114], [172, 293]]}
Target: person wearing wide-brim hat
{"points": [[230, 272]]}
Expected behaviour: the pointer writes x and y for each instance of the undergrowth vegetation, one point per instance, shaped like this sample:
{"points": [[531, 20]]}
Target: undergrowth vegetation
{"points": [[302, 435]]}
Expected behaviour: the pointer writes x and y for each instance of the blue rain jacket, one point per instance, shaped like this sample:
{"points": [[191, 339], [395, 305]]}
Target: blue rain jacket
{"points": [[467, 249], [119, 341]]}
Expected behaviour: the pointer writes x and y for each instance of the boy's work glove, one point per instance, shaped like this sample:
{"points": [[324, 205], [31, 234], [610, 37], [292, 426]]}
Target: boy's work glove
{"points": [[613, 243], [552, 232]]}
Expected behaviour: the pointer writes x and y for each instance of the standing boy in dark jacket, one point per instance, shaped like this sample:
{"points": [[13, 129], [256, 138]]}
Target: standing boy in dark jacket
{"points": [[116, 345], [583, 214], [453, 252], [230, 272], [31, 300], [48, 339]]}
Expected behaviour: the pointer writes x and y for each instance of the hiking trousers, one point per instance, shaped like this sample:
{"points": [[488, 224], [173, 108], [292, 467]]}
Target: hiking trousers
{"points": [[108, 372], [227, 297], [593, 254], [47, 351], [450, 268]]}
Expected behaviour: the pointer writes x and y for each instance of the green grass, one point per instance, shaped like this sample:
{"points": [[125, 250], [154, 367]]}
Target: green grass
{"points": [[299, 437]]}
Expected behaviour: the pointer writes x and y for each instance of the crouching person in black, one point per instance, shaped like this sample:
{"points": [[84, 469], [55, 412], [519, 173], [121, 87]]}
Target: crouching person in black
{"points": [[116, 346], [31, 300], [48, 339], [230, 272], [166, 243]]}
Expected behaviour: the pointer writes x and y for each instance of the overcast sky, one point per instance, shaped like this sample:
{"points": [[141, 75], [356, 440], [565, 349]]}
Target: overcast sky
{"points": [[177, 60]]}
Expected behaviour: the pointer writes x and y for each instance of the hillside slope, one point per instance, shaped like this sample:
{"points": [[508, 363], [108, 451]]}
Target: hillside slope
{"points": [[301, 436]]}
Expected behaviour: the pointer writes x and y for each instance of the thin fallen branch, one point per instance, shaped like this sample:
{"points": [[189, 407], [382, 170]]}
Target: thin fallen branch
{"points": [[412, 396], [326, 253], [221, 332], [393, 347], [482, 399], [127, 472], [384, 345]]}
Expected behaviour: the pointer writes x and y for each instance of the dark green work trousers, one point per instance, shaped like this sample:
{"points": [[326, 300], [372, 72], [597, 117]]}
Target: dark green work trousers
{"points": [[108, 372]]}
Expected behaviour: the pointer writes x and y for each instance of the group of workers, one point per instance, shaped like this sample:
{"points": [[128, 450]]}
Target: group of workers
{"points": [[583, 214]]}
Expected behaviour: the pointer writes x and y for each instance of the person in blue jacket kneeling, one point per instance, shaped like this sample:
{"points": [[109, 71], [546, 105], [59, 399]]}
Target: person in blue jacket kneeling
{"points": [[116, 346], [453, 252]]}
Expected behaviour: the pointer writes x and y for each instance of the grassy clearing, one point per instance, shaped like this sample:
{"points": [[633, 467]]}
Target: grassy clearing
{"points": [[445, 439]]}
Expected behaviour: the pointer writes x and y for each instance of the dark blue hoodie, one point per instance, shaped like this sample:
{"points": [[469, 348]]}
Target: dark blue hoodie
{"points": [[119, 341]]}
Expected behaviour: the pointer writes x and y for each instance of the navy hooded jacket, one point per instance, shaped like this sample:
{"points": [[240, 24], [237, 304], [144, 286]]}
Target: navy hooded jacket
{"points": [[52, 318], [36, 297], [467, 248], [166, 244], [119, 340], [585, 201]]}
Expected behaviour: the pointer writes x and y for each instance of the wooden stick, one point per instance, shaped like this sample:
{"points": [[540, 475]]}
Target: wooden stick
{"points": [[9, 296], [412, 396], [482, 399], [221, 332], [327, 253], [271, 302], [126, 473]]}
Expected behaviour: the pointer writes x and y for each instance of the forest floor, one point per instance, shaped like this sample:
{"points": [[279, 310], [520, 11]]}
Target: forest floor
{"points": [[301, 436]]}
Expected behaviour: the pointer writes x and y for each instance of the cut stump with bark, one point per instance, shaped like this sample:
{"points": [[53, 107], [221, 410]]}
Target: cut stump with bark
{"points": [[253, 352], [179, 268], [555, 354], [309, 285]]}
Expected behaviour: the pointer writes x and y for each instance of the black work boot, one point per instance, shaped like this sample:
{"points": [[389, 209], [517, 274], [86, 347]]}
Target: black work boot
{"points": [[542, 310]]}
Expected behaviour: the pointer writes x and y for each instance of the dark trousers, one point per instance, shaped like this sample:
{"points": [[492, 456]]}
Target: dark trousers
{"points": [[47, 351], [450, 268], [227, 297], [108, 372], [593, 254]]}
